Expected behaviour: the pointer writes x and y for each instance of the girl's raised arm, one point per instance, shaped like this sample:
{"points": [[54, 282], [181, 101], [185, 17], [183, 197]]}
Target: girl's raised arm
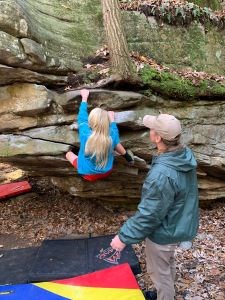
{"points": [[83, 112]]}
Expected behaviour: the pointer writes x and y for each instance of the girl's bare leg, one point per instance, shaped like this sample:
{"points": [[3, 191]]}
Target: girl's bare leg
{"points": [[71, 157]]}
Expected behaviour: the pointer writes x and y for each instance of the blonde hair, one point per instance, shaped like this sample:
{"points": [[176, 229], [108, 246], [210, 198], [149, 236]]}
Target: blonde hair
{"points": [[99, 144]]}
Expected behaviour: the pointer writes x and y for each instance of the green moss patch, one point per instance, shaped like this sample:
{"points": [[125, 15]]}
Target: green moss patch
{"points": [[213, 4], [174, 86]]}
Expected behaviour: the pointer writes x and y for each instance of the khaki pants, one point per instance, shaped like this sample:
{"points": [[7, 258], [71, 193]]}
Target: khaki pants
{"points": [[161, 268]]}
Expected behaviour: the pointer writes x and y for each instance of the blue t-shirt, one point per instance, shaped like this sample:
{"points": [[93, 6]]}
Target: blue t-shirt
{"points": [[86, 164]]}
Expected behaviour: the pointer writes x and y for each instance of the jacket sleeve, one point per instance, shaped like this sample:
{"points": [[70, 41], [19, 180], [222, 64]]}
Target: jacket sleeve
{"points": [[157, 197], [83, 118], [115, 134]]}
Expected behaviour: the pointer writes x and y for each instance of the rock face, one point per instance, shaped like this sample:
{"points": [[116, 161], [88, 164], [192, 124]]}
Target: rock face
{"points": [[36, 133], [177, 47], [45, 39], [41, 41]]}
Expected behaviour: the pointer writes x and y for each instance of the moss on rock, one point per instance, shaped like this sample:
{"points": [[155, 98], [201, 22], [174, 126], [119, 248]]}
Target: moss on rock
{"points": [[213, 4], [172, 85]]}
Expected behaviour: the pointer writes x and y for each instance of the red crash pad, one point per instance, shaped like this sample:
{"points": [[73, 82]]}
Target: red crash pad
{"points": [[15, 188]]}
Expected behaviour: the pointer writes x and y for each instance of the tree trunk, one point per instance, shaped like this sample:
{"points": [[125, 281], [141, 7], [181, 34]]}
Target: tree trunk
{"points": [[120, 61]]}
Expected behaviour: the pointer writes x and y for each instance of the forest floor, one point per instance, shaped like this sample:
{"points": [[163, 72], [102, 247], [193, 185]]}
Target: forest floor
{"points": [[45, 213]]}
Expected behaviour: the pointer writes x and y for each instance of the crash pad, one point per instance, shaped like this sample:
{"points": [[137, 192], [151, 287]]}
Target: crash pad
{"points": [[117, 282], [15, 265], [71, 257], [13, 189], [62, 258]]}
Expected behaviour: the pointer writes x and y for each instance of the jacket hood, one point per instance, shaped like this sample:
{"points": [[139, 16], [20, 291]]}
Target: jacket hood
{"points": [[181, 160]]}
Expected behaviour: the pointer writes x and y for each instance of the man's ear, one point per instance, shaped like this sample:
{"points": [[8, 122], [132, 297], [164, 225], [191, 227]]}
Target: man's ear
{"points": [[158, 138]]}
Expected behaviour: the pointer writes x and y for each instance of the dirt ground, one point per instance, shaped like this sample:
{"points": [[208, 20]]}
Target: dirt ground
{"points": [[45, 213]]}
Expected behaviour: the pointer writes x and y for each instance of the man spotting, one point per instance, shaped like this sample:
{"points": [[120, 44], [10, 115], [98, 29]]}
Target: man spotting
{"points": [[168, 211]]}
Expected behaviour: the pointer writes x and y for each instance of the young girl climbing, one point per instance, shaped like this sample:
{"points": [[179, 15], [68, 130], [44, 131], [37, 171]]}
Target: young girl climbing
{"points": [[99, 137]]}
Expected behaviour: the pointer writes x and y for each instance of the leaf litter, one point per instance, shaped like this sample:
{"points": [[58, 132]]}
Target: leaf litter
{"points": [[47, 213]]}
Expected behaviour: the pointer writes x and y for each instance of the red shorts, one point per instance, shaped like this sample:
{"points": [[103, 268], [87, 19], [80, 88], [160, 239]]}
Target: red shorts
{"points": [[93, 177]]}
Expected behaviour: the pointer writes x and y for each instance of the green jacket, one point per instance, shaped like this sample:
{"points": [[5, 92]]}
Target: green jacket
{"points": [[168, 212]]}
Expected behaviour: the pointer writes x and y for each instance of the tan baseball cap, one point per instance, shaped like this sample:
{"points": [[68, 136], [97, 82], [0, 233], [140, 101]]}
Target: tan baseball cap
{"points": [[167, 126]]}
